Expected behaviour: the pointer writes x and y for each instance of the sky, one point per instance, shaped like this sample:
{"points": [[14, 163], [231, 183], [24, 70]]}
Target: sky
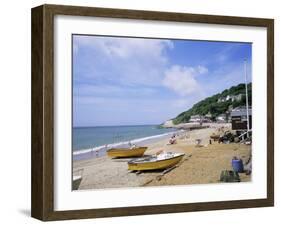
{"points": [[137, 81]]}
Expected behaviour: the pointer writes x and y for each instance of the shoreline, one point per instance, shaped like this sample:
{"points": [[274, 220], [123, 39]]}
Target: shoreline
{"points": [[101, 150], [150, 139], [200, 165]]}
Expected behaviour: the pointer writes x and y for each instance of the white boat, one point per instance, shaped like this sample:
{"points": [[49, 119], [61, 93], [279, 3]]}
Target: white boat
{"points": [[156, 162]]}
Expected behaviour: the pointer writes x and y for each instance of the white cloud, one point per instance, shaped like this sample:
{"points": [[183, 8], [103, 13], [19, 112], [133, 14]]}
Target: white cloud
{"points": [[123, 48], [134, 61], [202, 69], [129, 61], [182, 79], [137, 48]]}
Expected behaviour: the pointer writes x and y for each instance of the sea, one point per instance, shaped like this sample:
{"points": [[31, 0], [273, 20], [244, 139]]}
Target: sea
{"points": [[94, 141]]}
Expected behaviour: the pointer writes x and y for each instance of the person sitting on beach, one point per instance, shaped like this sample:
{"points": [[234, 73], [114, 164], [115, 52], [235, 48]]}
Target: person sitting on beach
{"points": [[172, 140]]}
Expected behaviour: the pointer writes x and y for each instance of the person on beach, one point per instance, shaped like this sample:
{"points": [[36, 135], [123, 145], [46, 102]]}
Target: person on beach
{"points": [[172, 139]]}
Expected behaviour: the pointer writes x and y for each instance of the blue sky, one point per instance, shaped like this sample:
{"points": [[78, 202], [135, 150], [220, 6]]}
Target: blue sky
{"points": [[136, 81]]}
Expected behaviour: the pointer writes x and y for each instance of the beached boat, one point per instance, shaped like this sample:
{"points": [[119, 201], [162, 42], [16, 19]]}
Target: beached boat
{"points": [[126, 152], [155, 162], [77, 178], [76, 181]]}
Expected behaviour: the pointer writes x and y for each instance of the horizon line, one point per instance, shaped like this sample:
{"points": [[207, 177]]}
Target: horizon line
{"points": [[76, 127]]}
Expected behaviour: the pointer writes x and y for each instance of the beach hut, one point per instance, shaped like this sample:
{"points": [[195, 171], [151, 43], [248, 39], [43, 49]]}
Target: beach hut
{"points": [[239, 118]]}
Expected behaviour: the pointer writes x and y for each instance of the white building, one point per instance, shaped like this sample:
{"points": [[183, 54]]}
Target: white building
{"points": [[231, 97], [221, 118], [195, 118]]}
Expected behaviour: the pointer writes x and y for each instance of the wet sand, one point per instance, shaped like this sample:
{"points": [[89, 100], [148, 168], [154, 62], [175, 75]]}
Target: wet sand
{"points": [[200, 165]]}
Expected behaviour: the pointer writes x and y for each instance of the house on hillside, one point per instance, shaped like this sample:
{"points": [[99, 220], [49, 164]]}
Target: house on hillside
{"points": [[222, 99], [233, 98], [239, 118], [237, 97]]}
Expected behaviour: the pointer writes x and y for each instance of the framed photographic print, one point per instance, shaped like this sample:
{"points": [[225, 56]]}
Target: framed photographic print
{"points": [[141, 112]]}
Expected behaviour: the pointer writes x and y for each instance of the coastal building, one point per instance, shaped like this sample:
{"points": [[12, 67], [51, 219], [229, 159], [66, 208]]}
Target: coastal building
{"points": [[200, 118], [223, 99], [239, 118], [237, 97], [221, 118], [195, 118], [232, 98], [208, 117]]}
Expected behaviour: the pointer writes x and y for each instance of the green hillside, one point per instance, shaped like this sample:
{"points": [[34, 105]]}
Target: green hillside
{"points": [[211, 104]]}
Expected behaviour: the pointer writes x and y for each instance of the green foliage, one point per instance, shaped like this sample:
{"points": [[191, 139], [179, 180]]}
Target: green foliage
{"points": [[211, 104]]}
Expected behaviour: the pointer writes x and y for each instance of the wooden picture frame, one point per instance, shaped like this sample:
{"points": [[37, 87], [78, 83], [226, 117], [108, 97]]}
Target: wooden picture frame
{"points": [[42, 203]]}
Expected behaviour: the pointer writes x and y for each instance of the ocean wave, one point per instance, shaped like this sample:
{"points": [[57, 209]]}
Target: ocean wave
{"points": [[123, 143]]}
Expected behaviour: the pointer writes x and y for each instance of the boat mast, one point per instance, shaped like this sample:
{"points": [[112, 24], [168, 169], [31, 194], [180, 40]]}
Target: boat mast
{"points": [[247, 104]]}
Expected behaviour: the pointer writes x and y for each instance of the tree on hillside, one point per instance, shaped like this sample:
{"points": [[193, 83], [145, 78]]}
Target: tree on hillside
{"points": [[211, 104]]}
